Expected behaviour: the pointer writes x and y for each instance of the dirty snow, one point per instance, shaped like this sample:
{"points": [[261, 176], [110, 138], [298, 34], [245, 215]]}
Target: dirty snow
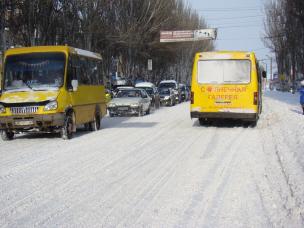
{"points": [[160, 170]]}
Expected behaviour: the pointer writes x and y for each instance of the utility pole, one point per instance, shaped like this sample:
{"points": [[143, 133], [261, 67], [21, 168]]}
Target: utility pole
{"points": [[270, 59]]}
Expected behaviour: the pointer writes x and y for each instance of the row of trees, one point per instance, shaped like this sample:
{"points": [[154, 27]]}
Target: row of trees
{"points": [[125, 32], [285, 35]]}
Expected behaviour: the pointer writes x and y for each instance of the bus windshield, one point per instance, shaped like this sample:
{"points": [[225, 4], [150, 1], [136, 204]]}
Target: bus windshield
{"points": [[224, 71], [34, 71]]}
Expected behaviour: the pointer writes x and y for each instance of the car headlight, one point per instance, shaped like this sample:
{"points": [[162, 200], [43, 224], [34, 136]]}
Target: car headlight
{"points": [[111, 105], [2, 109], [53, 105], [134, 105]]}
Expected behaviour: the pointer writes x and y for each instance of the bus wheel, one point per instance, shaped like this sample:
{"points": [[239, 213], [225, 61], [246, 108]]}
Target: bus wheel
{"points": [[7, 135], [67, 128], [95, 124], [203, 121], [253, 123]]}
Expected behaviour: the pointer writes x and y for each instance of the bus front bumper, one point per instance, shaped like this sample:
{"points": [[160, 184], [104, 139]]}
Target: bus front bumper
{"points": [[24, 122]]}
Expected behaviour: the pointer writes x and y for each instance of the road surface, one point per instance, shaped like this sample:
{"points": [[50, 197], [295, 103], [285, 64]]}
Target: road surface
{"points": [[160, 170]]}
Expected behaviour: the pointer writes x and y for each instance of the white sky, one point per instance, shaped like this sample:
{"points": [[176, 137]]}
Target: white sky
{"points": [[239, 22]]}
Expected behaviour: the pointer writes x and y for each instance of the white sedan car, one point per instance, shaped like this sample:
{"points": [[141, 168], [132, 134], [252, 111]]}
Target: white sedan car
{"points": [[130, 101]]}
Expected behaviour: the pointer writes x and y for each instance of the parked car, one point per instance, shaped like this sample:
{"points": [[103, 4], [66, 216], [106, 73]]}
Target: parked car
{"points": [[172, 84], [152, 92], [184, 92], [130, 101], [167, 97]]}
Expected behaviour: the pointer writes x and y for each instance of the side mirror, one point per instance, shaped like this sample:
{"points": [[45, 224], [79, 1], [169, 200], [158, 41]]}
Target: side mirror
{"points": [[74, 85], [264, 74]]}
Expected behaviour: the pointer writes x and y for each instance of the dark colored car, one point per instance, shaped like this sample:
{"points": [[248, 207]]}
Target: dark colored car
{"points": [[167, 97]]}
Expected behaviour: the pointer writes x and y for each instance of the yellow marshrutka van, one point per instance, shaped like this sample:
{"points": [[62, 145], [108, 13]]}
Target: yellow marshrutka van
{"points": [[226, 84], [51, 89]]}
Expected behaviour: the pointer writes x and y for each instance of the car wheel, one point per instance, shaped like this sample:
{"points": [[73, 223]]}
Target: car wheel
{"points": [[67, 128], [7, 135], [158, 105], [148, 111], [140, 112]]}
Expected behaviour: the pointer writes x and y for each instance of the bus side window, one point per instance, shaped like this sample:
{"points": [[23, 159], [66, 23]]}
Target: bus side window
{"points": [[72, 72]]}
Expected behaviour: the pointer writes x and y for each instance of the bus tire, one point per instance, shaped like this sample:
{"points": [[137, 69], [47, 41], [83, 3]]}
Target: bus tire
{"points": [[202, 121], [67, 128], [7, 135], [95, 124]]}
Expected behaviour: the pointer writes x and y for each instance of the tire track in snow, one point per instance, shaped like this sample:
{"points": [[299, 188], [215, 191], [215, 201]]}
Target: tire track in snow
{"points": [[190, 214]]}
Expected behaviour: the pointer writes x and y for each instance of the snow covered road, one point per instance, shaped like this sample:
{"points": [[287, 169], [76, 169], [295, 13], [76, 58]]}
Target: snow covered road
{"points": [[160, 170]]}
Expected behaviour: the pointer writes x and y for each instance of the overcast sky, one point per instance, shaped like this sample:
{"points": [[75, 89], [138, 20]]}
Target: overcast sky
{"points": [[239, 22]]}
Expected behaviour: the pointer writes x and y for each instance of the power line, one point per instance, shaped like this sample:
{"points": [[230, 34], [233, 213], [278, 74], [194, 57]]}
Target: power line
{"points": [[244, 38], [230, 18], [237, 23], [238, 26], [227, 9]]}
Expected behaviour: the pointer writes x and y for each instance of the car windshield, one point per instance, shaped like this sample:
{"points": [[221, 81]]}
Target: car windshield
{"points": [[167, 85], [148, 90], [164, 91], [128, 93], [35, 71]]}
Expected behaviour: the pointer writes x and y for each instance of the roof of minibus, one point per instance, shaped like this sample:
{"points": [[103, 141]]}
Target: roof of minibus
{"points": [[24, 50], [226, 55]]}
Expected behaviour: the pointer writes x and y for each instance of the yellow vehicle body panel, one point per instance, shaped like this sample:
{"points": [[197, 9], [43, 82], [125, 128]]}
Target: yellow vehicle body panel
{"points": [[213, 100], [85, 102]]}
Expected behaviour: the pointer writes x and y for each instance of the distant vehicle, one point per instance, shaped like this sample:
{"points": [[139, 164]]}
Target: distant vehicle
{"points": [[226, 85], [152, 91], [188, 91], [184, 92], [172, 84], [167, 96], [119, 81], [130, 101], [51, 89]]}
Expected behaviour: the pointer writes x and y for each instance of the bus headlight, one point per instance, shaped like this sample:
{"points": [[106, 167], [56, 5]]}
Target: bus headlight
{"points": [[53, 105], [2, 109]]}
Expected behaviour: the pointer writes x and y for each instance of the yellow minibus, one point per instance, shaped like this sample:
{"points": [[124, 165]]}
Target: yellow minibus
{"points": [[51, 89], [226, 84]]}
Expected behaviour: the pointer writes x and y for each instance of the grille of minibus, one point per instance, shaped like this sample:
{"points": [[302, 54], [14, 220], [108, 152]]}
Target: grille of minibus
{"points": [[24, 110]]}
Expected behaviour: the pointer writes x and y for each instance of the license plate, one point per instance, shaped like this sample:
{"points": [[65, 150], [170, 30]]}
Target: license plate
{"points": [[24, 122], [123, 108]]}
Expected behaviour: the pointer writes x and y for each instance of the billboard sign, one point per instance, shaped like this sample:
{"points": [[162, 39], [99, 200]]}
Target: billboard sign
{"points": [[187, 35]]}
